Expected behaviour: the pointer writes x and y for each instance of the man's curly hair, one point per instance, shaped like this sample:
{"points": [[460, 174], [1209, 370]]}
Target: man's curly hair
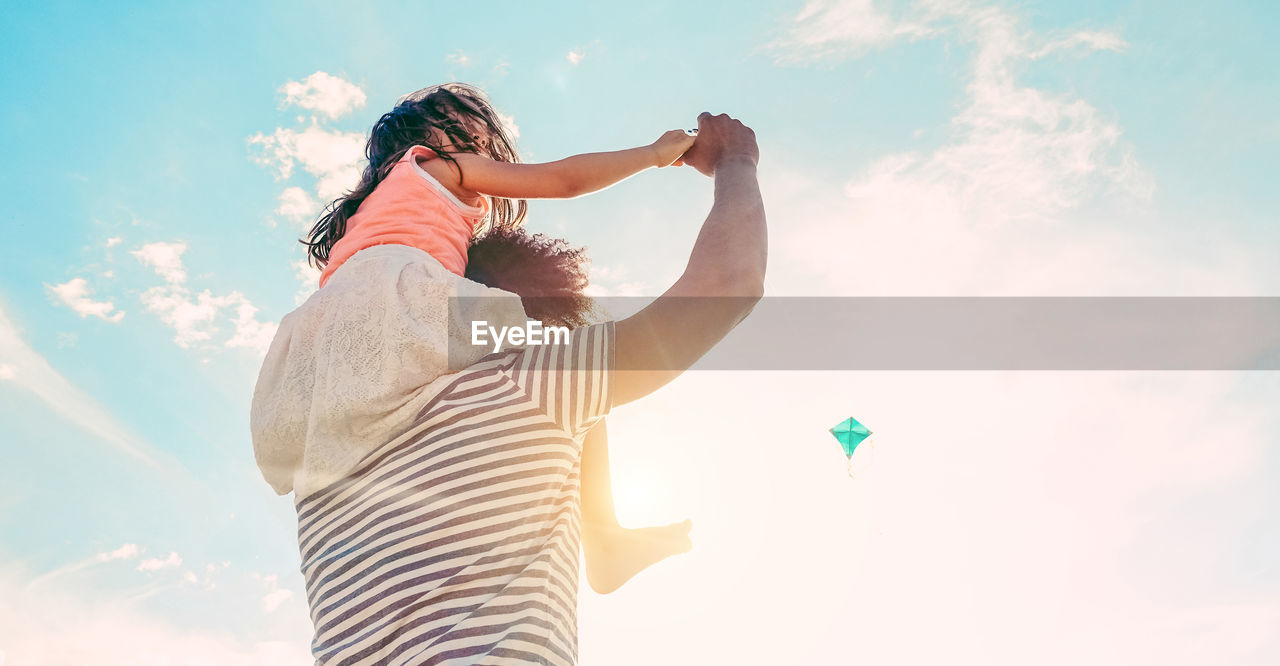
{"points": [[546, 273]]}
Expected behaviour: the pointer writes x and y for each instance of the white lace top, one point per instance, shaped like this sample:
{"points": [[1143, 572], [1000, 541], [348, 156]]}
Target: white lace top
{"points": [[353, 365]]}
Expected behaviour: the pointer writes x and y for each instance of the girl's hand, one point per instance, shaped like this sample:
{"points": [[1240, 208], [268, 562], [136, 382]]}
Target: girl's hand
{"points": [[670, 147]]}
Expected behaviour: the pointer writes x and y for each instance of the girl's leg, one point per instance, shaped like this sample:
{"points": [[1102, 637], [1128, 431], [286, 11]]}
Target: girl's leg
{"points": [[597, 487], [613, 553]]}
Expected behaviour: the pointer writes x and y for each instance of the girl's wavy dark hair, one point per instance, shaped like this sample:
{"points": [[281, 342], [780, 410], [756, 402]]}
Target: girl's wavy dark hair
{"points": [[468, 123], [547, 274]]}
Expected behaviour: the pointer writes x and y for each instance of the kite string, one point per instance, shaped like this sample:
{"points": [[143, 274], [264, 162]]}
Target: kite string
{"points": [[871, 445]]}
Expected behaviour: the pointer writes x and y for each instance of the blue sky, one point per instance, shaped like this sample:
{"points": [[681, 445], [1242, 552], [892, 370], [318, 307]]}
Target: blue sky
{"points": [[163, 158]]}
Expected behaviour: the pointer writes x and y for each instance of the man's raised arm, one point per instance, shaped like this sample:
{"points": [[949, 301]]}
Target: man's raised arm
{"points": [[723, 280]]}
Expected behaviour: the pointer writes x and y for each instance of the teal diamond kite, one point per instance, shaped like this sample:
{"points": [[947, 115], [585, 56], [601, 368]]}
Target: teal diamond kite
{"points": [[850, 434]]}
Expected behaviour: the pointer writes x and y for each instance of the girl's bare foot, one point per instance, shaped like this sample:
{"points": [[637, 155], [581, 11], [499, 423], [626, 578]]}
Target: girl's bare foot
{"points": [[615, 554]]}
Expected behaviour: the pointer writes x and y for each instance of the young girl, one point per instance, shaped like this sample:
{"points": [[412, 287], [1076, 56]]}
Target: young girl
{"points": [[442, 198]]}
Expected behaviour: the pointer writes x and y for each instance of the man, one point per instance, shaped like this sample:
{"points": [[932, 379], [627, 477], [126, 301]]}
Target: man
{"points": [[458, 541]]}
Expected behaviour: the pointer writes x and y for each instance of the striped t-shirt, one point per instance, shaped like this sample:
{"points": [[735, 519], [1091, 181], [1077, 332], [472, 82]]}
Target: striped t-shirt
{"points": [[457, 541]]}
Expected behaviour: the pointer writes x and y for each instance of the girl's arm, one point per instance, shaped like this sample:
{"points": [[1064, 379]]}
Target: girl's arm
{"points": [[570, 177]]}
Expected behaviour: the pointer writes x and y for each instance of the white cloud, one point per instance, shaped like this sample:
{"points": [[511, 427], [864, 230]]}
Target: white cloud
{"points": [[66, 339], [509, 123], [7, 371], [605, 281], [575, 56], [325, 94], [274, 596], [332, 157], [209, 579], [297, 206], [194, 316], [71, 624], [165, 259], [308, 279], [156, 563], [1092, 40], [250, 333], [826, 28], [75, 295], [273, 599], [114, 241], [335, 159], [31, 371], [994, 207], [127, 551], [458, 58]]}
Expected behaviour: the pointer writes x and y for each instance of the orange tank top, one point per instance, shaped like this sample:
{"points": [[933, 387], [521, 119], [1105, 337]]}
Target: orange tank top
{"points": [[410, 207]]}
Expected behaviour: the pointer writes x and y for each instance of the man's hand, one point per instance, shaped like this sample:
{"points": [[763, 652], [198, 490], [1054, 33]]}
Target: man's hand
{"points": [[670, 146], [722, 281], [720, 139]]}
